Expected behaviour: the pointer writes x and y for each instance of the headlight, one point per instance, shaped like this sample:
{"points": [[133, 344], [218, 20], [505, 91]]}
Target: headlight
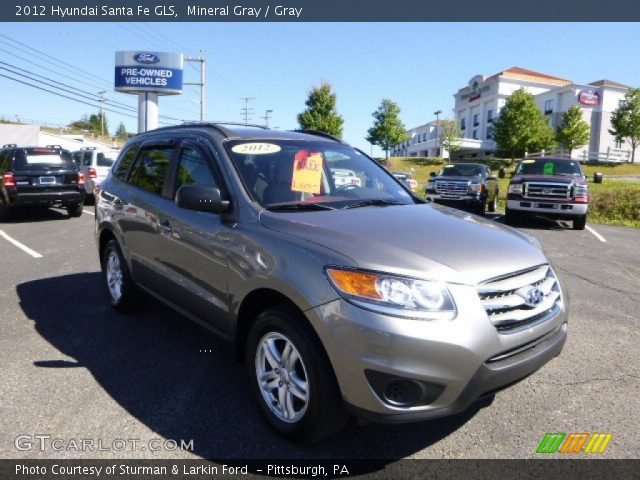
{"points": [[476, 187], [394, 295], [515, 188]]}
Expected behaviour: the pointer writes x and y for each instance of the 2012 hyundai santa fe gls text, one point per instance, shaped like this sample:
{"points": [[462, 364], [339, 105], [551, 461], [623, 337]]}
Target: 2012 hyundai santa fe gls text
{"points": [[354, 298]]}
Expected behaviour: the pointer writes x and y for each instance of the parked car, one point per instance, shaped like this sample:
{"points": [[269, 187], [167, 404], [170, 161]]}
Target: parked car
{"points": [[465, 185], [39, 177], [407, 179], [551, 187], [95, 165], [333, 304], [344, 176]]}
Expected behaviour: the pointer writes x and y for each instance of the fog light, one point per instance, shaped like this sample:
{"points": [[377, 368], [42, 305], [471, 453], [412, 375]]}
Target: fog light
{"points": [[402, 392]]}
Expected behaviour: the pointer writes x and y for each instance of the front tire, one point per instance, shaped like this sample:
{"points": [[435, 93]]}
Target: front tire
{"points": [[580, 222], [511, 218], [292, 379], [75, 210], [120, 287], [6, 212]]}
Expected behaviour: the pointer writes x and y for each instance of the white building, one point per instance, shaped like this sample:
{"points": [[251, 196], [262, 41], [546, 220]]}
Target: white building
{"points": [[34, 136], [478, 104], [423, 142]]}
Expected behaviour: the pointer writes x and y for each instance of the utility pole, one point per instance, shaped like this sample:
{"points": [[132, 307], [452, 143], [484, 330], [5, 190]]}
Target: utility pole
{"points": [[102, 100], [266, 118], [202, 84], [246, 112]]}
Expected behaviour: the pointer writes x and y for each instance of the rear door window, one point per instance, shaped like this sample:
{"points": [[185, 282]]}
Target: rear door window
{"points": [[86, 159], [151, 169]]}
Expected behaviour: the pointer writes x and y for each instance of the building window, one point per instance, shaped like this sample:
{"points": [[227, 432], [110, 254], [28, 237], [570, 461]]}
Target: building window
{"points": [[619, 143], [489, 116], [621, 102], [548, 106], [489, 133], [463, 123], [476, 119], [475, 134]]}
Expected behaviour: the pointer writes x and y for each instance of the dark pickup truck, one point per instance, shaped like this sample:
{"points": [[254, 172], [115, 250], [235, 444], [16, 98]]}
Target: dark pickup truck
{"points": [[39, 177], [550, 187], [464, 185]]}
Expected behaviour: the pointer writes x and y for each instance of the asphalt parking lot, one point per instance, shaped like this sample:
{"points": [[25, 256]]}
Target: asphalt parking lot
{"points": [[74, 369]]}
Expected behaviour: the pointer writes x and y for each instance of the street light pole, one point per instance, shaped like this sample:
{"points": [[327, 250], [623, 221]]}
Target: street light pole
{"points": [[437, 114]]}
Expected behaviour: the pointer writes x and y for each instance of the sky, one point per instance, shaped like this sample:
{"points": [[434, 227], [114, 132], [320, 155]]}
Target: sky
{"points": [[417, 65]]}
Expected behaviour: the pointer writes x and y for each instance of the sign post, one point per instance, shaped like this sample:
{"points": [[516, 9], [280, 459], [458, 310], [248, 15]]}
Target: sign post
{"points": [[148, 74]]}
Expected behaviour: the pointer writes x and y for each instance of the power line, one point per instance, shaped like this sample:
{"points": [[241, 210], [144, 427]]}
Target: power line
{"points": [[54, 58]]}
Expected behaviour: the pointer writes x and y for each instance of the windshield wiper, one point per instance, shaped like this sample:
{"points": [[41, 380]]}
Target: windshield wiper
{"points": [[299, 207], [378, 202]]}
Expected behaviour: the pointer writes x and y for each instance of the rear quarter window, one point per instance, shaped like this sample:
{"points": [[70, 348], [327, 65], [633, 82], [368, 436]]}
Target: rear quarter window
{"points": [[124, 163]]}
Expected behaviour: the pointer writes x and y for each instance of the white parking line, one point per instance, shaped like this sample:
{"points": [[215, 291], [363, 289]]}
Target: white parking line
{"points": [[88, 211], [22, 247], [596, 234]]}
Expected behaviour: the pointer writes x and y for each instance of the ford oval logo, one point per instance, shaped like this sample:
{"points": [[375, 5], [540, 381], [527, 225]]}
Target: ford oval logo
{"points": [[146, 58], [533, 297]]}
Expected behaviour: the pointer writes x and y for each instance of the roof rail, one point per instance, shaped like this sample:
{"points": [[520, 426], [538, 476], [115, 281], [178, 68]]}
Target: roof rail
{"points": [[88, 148], [321, 134], [227, 133], [10, 145]]}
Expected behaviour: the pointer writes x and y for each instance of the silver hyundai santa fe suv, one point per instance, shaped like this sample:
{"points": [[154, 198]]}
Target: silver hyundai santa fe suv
{"points": [[340, 298]]}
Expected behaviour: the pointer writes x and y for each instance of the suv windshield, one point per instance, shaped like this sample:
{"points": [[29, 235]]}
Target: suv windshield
{"points": [[42, 158], [302, 173], [549, 166], [461, 170]]}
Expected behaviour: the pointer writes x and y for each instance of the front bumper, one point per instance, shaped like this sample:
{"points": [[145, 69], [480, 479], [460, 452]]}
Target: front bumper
{"points": [[542, 207], [63, 198], [455, 200], [466, 356]]}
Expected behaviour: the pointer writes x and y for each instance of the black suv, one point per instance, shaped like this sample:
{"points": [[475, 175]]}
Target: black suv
{"points": [[464, 185], [39, 177]]}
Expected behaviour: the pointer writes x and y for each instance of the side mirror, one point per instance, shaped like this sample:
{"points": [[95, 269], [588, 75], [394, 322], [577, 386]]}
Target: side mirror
{"points": [[502, 173], [432, 174], [201, 199], [492, 177]]}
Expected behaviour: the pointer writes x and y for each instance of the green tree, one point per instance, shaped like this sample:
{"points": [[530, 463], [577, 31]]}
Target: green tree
{"points": [[92, 123], [573, 131], [625, 120], [388, 130], [121, 132], [321, 114], [521, 126], [450, 135]]}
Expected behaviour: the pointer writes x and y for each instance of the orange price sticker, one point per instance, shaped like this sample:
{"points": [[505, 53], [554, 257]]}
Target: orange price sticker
{"points": [[307, 172]]}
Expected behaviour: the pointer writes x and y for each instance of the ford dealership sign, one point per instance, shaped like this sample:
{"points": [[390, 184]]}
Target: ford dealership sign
{"points": [[158, 72]]}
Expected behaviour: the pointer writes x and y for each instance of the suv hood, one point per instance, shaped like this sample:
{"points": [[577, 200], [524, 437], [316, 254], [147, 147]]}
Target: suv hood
{"points": [[425, 241]]}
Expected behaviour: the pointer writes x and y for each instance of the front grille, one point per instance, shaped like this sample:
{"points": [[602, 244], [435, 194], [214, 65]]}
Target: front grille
{"points": [[549, 191], [505, 298], [451, 188]]}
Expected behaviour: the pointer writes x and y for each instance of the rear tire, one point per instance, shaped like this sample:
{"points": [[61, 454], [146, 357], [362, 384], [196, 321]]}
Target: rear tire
{"points": [[298, 394], [121, 290], [75, 210], [580, 222]]}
